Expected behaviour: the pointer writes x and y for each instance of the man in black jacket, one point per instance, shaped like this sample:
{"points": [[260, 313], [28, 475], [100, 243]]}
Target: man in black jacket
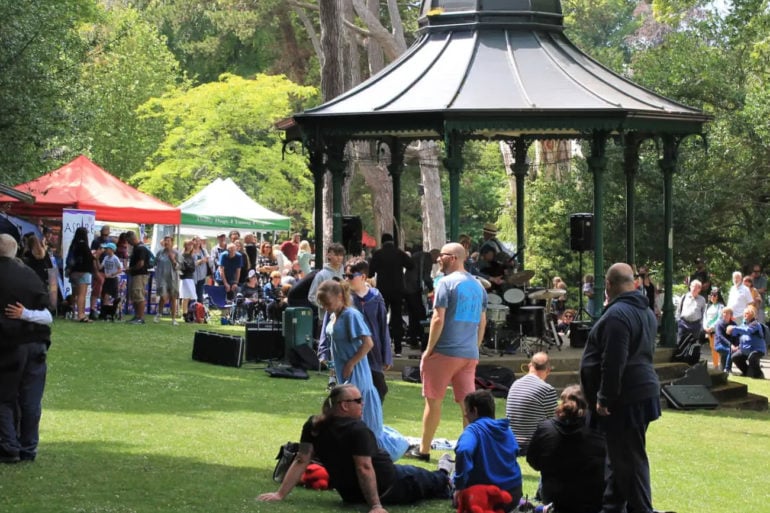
{"points": [[622, 389], [24, 340], [387, 265]]}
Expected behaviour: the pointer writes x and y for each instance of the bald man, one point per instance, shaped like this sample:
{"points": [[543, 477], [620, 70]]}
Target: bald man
{"points": [[530, 400], [622, 389], [456, 332]]}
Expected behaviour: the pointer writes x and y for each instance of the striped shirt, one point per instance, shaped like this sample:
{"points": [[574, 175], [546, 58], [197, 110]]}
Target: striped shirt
{"points": [[530, 400]]}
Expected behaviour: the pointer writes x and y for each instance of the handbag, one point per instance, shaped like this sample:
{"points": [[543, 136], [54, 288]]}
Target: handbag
{"points": [[285, 457]]}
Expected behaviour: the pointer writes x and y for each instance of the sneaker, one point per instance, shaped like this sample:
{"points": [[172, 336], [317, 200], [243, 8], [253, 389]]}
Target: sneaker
{"points": [[93, 315], [332, 383], [157, 318], [447, 464], [174, 323], [136, 321], [396, 355], [414, 452]]}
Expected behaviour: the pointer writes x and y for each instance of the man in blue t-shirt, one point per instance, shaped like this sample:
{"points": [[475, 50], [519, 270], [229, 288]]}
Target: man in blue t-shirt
{"points": [[456, 332], [230, 264]]}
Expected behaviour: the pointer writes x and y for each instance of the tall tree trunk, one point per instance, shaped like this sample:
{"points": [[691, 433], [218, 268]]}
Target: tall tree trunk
{"points": [[332, 81], [433, 218]]}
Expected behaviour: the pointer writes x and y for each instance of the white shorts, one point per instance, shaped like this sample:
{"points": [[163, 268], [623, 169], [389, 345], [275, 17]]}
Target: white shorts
{"points": [[187, 289]]}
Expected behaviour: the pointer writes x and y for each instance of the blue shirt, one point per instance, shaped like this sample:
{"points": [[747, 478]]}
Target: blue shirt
{"points": [[230, 265], [464, 299]]}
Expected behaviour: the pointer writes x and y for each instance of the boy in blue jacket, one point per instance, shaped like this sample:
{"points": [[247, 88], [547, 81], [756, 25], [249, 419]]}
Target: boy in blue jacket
{"points": [[486, 450]]}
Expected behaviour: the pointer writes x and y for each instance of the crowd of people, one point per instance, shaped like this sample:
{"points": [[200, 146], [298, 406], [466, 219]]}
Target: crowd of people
{"points": [[570, 441]]}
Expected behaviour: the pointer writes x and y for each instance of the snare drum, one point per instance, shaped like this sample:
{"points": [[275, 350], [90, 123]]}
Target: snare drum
{"points": [[497, 313], [514, 296]]}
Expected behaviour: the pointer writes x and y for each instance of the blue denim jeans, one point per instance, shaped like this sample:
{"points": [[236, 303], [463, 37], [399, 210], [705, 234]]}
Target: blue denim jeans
{"points": [[413, 484], [22, 381]]}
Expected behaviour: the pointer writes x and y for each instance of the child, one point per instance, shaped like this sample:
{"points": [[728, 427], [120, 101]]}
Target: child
{"points": [[112, 267]]}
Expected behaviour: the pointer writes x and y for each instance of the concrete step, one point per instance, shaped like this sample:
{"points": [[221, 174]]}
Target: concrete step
{"points": [[748, 402], [730, 391]]}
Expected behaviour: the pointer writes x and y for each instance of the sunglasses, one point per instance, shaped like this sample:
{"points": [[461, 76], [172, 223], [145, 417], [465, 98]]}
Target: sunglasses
{"points": [[447, 254], [357, 400], [351, 276]]}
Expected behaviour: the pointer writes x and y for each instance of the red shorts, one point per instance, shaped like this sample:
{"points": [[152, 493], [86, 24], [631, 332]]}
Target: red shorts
{"points": [[438, 371]]}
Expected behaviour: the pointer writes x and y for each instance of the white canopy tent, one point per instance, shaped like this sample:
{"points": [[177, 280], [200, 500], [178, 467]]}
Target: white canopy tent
{"points": [[220, 207]]}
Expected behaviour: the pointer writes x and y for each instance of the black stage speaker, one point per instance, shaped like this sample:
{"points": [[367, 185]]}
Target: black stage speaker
{"points": [[217, 348], [581, 228], [689, 397], [352, 231], [264, 342], [578, 333]]}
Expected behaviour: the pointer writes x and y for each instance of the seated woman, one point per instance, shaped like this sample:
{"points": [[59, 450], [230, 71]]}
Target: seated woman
{"points": [[566, 319], [751, 345], [486, 450], [570, 457]]}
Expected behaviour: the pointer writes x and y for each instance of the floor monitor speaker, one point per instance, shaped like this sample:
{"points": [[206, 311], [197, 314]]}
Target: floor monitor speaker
{"points": [[217, 348]]}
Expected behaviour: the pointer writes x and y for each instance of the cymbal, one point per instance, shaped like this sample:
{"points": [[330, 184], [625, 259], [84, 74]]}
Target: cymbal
{"points": [[484, 282], [521, 278], [547, 294]]}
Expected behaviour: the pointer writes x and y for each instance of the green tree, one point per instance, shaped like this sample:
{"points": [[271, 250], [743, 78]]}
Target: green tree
{"points": [[226, 129], [40, 51], [129, 64]]}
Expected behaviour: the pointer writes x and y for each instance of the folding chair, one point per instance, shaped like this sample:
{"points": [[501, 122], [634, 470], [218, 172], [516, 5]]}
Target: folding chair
{"points": [[217, 296]]}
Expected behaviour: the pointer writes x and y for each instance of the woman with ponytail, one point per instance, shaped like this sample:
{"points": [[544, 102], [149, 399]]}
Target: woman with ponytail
{"points": [[570, 457], [350, 339]]}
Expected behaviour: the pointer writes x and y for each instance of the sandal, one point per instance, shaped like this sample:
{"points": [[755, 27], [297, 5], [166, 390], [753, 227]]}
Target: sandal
{"points": [[85, 319]]}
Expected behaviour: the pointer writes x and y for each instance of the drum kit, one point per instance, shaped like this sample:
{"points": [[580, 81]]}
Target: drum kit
{"points": [[521, 320]]}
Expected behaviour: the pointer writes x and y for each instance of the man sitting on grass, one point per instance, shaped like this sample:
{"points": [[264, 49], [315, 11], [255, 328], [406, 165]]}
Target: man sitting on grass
{"points": [[358, 469]]}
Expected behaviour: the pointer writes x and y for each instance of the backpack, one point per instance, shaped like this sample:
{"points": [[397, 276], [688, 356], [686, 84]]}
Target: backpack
{"points": [[687, 350], [495, 378], [196, 312], [150, 264]]}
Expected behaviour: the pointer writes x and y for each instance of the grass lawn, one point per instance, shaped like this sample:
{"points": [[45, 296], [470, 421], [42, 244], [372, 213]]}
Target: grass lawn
{"points": [[132, 424]]}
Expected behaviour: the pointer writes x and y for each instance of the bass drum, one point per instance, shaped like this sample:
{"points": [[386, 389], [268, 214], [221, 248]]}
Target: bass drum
{"points": [[514, 296]]}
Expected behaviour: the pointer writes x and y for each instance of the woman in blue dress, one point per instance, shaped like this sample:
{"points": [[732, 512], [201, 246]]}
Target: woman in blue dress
{"points": [[350, 339]]}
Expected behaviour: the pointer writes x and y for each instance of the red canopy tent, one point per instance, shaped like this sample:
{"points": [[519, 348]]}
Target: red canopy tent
{"points": [[83, 185]]}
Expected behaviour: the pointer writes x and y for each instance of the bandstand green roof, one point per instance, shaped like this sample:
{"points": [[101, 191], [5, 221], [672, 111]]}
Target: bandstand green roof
{"points": [[495, 69]]}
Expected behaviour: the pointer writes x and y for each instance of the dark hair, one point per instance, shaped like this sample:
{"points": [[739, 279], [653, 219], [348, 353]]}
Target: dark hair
{"points": [[336, 248], [481, 401], [386, 237], [81, 236], [573, 404], [359, 266], [328, 405]]}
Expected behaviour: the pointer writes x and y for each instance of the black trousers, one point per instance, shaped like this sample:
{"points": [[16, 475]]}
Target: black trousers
{"points": [[627, 476], [393, 302], [416, 312], [749, 364]]}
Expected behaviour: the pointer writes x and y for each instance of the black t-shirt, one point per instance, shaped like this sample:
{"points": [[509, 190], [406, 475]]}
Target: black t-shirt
{"points": [[335, 444], [250, 292], [140, 253]]}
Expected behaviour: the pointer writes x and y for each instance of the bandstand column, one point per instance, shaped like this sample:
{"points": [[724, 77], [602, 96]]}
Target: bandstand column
{"points": [[335, 162], [631, 168], [668, 166], [453, 162], [597, 164], [396, 168], [520, 146], [318, 170]]}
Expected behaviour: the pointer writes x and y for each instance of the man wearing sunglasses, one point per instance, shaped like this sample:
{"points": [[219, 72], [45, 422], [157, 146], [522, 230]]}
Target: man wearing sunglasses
{"points": [[359, 470], [456, 333]]}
